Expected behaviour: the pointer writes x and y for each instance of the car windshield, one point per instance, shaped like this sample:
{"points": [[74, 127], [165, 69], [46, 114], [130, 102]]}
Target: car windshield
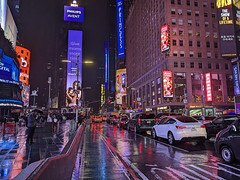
{"points": [[198, 117], [186, 119], [147, 116], [210, 118]]}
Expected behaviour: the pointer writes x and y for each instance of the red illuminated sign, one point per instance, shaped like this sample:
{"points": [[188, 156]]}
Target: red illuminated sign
{"points": [[167, 84], [208, 86], [165, 46]]}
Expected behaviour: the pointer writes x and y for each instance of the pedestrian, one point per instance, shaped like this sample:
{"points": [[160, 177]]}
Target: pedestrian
{"points": [[31, 124], [55, 123]]}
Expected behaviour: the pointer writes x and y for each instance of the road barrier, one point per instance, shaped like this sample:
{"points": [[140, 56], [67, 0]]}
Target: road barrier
{"points": [[58, 167]]}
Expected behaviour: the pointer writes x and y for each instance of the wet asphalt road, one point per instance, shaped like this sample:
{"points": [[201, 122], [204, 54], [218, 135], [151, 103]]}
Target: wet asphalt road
{"points": [[153, 159]]}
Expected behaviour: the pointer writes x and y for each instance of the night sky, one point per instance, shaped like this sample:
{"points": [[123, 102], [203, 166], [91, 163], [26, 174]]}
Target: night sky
{"points": [[42, 20]]}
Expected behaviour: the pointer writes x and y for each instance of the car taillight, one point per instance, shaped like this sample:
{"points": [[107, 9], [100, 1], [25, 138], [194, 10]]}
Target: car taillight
{"points": [[180, 127], [156, 120], [203, 126], [139, 121]]}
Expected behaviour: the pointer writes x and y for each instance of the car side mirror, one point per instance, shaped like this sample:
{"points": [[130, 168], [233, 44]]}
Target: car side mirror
{"points": [[234, 129]]}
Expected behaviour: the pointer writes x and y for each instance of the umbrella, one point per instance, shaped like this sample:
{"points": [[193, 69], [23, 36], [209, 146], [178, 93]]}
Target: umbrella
{"points": [[37, 111]]}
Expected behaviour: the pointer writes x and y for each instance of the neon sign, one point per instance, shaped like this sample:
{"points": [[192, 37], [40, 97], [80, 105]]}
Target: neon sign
{"points": [[208, 86], [223, 3], [165, 45]]}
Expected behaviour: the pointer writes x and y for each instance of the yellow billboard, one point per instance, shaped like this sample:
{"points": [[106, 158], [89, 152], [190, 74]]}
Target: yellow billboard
{"points": [[223, 3]]}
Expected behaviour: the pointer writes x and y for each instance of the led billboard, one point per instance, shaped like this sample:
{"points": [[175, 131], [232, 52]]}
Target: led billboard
{"points": [[25, 95], [3, 13], [73, 93], [167, 84], [120, 29], [120, 88], [23, 56], [75, 14], [165, 43], [102, 94], [208, 86]]}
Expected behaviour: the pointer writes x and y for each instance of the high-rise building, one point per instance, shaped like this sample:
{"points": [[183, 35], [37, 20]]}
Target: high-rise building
{"points": [[173, 58]]}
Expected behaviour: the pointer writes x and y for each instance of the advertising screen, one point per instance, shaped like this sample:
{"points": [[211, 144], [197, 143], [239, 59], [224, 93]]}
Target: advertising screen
{"points": [[167, 84], [120, 29], [25, 94], [208, 86], [236, 79], [106, 65], [75, 14], [165, 45], [120, 89], [102, 94], [73, 93], [3, 13]]}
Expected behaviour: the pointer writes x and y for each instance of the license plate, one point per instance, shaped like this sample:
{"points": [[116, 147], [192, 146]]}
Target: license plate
{"points": [[193, 129], [148, 122]]}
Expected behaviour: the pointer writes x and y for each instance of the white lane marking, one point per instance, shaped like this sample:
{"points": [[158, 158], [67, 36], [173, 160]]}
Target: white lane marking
{"points": [[129, 163], [195, 173], [221, 169], [163, 143], [181, 174], [206, 172], [229, 166], [153, 171], [151, 165]]}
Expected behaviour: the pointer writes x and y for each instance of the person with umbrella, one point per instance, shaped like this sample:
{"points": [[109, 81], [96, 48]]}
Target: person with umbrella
{"points": [[31, 124]]}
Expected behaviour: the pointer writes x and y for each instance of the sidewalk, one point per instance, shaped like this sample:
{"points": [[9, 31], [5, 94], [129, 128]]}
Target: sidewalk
{"points": [[15, 154]]}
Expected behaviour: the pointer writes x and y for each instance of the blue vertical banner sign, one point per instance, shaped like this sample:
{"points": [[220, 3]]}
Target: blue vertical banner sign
{"points": [[120, 29], [106, 65], [236, 79]]}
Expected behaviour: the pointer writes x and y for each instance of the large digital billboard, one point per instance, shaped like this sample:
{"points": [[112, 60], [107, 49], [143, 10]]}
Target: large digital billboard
{"points": [[236, 79], [75, 14], [25, 94], [120, 29], [165, 42], [167, 84], [120, 87], [106, 65], [3, 13], [73, 93], [208, 86], [23, 56]]}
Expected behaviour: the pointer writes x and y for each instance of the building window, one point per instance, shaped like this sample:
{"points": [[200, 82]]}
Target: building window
{"points": [[209, 55], [182, 65], [197, 23], [209, 66], [205, 14], [196, 3], [189, 12], [172, 1], [174, 42], [208, 44], [190, 43], [217, 66], [173, 21], [179, 2], [190, 22], [215, 35], [188, 2], [191, 64], [215, 45], [174, 32], [199, 54], [179, 12], [180, 22], [181, 53], [200, 65], [190, 33], [175, 64], [191, 54], [181, 42], [206, 24], [213, 15], [173, 11], [175, 53], [226, 66], [181, 32], [216, 55], [198, 34], [214, 25], [207, 34], [204, 4], [22, 51], [196, 13], [198, 43], [212, 5]]}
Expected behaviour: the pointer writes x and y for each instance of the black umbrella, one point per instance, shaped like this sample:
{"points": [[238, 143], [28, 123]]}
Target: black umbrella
{"points": [[37, 111]]}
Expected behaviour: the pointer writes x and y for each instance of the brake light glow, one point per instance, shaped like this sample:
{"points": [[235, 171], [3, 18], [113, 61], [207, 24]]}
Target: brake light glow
{"points": [[180, 127], [203, 126], [156, 120], [139, 121]]}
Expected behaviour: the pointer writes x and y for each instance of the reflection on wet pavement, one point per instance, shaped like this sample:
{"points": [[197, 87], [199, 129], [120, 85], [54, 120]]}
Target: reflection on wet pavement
{"points": [[15, 154]]}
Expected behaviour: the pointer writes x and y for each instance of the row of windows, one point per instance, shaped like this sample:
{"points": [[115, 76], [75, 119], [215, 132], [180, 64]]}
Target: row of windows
{"points": [[199, 65], [190, 33], [189, 13], [190, 43], [191, 54], [188, 3], [180, 22]]}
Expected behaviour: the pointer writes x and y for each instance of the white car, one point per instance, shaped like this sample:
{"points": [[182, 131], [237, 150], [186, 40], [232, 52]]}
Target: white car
{"points": [[179, 128]]}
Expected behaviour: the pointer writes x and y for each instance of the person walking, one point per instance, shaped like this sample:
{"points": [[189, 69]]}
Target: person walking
{"points": [[31, 124]]}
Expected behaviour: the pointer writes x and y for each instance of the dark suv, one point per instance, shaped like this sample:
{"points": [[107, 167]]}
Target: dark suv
{"points": [[228, 142], [142, 122], [219, 124]]}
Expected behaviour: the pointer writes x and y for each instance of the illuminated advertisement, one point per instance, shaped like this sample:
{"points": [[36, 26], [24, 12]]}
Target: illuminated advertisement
{"points": [[73, 93], [25, 94], [106, 65], [10, 28], [120, 89], [3, 13], [208, 86], [167, 84], [23, 56], [223, 3], [120, 29], [102, 94], [9, 73], [75, 14], [236, 79], [165, 45]]}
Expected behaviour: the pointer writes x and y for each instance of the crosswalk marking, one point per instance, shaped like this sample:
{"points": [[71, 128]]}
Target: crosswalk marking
{"points": [[182, 174], [195, 173], [153, 171]]}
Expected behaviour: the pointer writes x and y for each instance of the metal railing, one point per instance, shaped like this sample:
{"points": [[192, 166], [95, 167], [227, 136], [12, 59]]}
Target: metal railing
{"points": [[58, 167]]}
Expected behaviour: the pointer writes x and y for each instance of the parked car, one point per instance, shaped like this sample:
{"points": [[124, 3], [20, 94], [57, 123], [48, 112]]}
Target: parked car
{"points": [[98, 119], [113, 119], [142, 122], [227, 142], [219, 124], [122, 123], [163, 114], [204, 119], [179, 128]]}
